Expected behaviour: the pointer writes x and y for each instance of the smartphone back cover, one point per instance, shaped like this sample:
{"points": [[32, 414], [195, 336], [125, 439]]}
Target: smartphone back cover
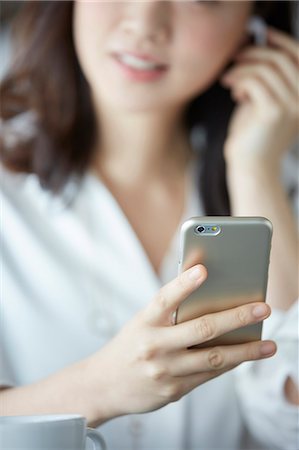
{"points": [[237, 261]]}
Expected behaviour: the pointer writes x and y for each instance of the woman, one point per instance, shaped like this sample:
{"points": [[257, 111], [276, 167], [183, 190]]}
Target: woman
{"points": [[108, 94]]}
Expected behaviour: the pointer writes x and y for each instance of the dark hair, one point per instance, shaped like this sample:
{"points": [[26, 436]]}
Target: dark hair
{"points": [[45, 79]]}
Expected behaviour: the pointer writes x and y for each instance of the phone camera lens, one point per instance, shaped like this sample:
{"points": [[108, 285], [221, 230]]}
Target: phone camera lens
{"points": [[200, 229]]}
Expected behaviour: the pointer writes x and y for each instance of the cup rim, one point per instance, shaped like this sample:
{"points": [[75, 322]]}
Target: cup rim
{"points": [[40, 418]]}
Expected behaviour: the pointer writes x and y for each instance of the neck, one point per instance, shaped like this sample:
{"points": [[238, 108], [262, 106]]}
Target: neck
{"points": [[141, 146]]}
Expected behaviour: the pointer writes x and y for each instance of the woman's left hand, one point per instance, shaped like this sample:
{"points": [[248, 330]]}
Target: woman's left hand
{"points": [[264, 83]]}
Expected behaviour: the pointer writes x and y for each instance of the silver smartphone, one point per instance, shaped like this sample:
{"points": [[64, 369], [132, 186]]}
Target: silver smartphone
{"points": [[236, 252]]}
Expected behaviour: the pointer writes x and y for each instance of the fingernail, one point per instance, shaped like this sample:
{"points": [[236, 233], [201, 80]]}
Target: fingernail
{"points": [[260, 311], [195, 274], [267, 348]]}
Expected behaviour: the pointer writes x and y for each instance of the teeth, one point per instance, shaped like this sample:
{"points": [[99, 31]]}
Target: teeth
{"points": [[136, 63]]}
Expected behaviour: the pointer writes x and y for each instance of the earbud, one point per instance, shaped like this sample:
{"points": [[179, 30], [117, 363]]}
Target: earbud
{"points": [[257, 27]]}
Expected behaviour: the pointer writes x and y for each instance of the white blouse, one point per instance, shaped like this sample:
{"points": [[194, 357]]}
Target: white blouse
{"points": [[61, 301]]}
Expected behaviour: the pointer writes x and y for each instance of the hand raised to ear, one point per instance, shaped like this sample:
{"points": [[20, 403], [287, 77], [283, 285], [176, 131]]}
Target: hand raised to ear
{"points": [[264, 83]]}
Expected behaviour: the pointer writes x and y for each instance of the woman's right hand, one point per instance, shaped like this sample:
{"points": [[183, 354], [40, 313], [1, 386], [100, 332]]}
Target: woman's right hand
{"points": [[148, 364]]}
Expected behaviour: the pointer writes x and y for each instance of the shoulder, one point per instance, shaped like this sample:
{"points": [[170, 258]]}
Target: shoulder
{"points": [[26, 205], [20, 189], [25, 191], [11, 180]]}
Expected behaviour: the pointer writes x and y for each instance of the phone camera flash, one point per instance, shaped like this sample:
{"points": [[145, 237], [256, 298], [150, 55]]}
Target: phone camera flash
{"points": [[207, 230]]}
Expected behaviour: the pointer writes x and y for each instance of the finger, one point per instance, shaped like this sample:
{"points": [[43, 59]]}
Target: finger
{"points": [[161, 309], [266, 106], [270, 79], [192, 381], [195, 361], [278, 59], [254, 90], [182, 385], [284, 41], [210, 326]]}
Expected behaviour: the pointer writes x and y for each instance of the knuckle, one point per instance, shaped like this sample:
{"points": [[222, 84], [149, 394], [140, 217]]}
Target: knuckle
{"points": [[147, 351], [173, 392], [157, 372], [215, 359], [242, 317], [204, 328], [161, 301], [252, 352]]}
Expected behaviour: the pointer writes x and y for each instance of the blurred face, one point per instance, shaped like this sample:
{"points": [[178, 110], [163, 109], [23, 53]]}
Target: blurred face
{"points": [[149, 55]]}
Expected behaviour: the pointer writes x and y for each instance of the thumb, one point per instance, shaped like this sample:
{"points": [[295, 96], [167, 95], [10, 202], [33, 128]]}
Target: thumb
{"points": [[160, 311]]}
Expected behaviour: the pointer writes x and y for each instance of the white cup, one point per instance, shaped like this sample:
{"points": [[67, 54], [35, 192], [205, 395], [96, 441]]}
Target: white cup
{"points": [[48, 432]]}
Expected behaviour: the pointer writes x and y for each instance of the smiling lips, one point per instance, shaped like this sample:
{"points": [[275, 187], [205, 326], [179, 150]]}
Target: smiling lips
{"points": [[139, 67]]}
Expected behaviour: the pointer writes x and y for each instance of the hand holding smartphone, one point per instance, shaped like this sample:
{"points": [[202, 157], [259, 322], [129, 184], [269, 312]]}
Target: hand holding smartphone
{"points": [[236, 252]]}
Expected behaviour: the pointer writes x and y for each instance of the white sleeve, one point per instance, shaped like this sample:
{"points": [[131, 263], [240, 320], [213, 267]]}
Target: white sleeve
{"points": [[270, 418], [6, 377], [6, 373]]}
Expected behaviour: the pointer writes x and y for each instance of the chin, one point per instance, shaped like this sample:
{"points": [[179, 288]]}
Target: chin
{"points": [[138, 103]]}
